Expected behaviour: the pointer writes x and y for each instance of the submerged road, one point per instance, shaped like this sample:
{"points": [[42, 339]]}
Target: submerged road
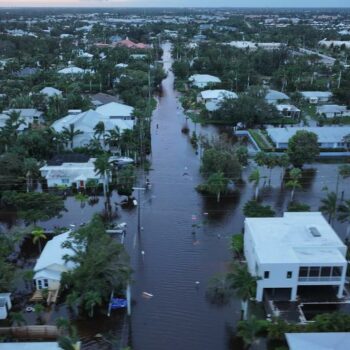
{"points": [[170, 262]]}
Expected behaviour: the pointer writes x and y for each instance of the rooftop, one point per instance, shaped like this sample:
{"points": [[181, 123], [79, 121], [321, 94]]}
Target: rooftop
{"points": [[318, 341], [304, 237], [325, 134], [218, 94]]}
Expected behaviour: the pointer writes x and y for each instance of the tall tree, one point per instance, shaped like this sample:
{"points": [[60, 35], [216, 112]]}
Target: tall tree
{"points": [[344, 216], [255, 178], [329, 206], [303, 148], [294, 181], [69, 134]]}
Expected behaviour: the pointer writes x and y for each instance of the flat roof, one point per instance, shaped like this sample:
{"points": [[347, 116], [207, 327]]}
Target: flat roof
{"points": [[290, 239], [325, 133], [318, 341]]}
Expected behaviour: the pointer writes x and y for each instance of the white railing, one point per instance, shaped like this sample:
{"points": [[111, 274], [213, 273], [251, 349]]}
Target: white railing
{"points": [[320, 279]]}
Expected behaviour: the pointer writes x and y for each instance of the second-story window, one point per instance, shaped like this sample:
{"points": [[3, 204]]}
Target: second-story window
{"points": [[266, 274], [289, 274]]}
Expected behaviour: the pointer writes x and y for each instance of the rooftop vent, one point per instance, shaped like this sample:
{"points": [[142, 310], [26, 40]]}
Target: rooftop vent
{"points": [[314, 231]]}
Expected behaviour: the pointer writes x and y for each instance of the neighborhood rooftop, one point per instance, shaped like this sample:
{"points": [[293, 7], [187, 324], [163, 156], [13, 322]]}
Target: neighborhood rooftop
{"points": [[290, 239]]}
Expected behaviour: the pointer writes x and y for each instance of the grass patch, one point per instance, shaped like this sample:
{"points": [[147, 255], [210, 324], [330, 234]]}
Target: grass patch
{"points": [[264, 146]]}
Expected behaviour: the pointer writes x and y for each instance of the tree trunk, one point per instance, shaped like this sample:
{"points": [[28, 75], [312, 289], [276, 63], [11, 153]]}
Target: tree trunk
{"points": [[292, 194], [256, 192], [244, 308], [218, 197]]}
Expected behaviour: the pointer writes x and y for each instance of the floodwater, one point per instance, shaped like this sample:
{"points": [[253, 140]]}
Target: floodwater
{"points": [[167, 258]]}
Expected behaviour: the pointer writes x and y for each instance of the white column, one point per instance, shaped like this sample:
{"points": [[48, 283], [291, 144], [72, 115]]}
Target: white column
{"points": [[259, 292], [340, 291], [293, 296]]}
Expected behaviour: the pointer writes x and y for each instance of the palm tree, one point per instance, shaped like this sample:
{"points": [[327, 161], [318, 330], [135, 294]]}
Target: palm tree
{"points": [[344, 215], [99, 130], [38, 234], [91, 299], [17, 319], [248, 330], [244, 285], [255, 177], [103, 168], [237, 244], [329, 206], [69, 134], [293, 183], [113, 138], [217, 184], [344, 173]]}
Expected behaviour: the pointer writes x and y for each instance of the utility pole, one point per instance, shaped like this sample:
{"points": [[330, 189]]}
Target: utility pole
{"points": [[139, 189]]}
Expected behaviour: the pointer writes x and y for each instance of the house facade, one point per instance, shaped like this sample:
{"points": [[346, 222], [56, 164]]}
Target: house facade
{"points": [[51, 264], [203, 80], [328, 136], [68, 174], [298, 249]]}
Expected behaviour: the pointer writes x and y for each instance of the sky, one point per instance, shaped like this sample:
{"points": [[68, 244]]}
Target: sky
{"points": [[176, 3]]}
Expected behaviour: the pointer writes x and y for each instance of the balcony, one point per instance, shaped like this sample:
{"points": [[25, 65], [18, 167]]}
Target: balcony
{"points": [[320, 279]]}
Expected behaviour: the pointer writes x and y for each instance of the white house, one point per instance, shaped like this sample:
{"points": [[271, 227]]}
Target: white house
{"points": [[67, 174], [318, 341], [215, 95], [334, 43], [328, 136], [250, 45], [112, 115], [287, 110], [203, 80], [50, 91], [5, 305], [29, 116], [274, 97], [298, 249], [74, 70], [115, 110], [331, 111], [50, 264], [315, 97]]}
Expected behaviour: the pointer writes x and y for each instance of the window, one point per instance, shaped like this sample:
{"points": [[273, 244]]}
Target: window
{"points": [[40, 285], [289, 274], [337, 271], [46, 283], [314, 271], [326, 271], [65, 181], [266, 274], [303, 272]]}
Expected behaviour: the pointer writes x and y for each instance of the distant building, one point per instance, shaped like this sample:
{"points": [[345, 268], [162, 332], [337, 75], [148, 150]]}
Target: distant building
{"points": [[274, 97], [203, 80], [334, 43], [29, 116], [289, 111], [73, 71], [296, 250], [213, 98], [328, 136], [332, 111], [50, 91], [315, 97]]}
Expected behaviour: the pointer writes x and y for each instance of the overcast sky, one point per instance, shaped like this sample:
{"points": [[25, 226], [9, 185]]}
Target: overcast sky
{"points": [[179, 3]]}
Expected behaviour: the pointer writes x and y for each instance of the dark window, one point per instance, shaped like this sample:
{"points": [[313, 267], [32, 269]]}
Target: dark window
{"points": [[46, 283], [314, 271], [325, 271], [289, 274], [266, 274], [337, 271], [303, 271]]}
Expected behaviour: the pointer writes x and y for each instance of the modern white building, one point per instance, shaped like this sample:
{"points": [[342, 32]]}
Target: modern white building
{"points": [[315, 97], [5, 305], [334, 43], [203, 80], [298, 249], [250, 45], [318, 341], [51, 264], [67, 174], [328, 136]]}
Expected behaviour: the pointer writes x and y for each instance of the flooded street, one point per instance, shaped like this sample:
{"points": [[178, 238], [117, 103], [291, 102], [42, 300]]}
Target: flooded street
{"points": [[170, 263]]}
